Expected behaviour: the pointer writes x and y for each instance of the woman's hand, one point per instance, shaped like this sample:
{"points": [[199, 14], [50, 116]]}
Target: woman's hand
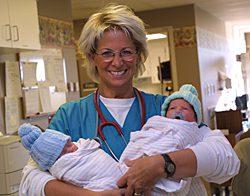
{"points": [[56, 187], [142, 175]]}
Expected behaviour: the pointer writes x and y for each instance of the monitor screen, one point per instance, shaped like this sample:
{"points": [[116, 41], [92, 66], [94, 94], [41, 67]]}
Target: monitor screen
{"points": [[241, 102], [165, 69]]}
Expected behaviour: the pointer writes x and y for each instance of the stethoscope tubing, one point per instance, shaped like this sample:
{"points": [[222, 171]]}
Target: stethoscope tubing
{"points": [[104, 122]]}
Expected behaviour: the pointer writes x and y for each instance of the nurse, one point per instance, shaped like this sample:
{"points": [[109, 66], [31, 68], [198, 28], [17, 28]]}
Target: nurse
{"points": [[114, 44]]}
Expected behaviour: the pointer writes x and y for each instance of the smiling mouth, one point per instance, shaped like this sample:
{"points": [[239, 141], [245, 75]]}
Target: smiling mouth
{"points": [[118, 73]]}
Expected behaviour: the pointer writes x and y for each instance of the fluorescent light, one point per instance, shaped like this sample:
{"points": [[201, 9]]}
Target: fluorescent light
{"points": [[156, 36]]}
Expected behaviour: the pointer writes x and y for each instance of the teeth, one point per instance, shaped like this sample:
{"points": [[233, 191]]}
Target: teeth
{"points": [[117, 73]]}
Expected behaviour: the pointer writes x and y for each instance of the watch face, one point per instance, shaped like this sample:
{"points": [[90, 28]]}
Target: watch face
{"points": [[170, 168]]}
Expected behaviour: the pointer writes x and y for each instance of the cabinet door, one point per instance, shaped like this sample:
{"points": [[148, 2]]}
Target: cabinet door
{"points": [[24, 24], [5, 33]]}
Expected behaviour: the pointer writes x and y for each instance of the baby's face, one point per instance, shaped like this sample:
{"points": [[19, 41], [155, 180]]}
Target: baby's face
{"points": [[68, 148], [183, 108]]}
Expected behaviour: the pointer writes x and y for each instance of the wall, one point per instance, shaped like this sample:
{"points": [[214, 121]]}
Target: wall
{"points": [[61, 10], [57, 9], [214, 55], [177, 17], [247, 38], [187, 64], [196, 64], [78, 25]]}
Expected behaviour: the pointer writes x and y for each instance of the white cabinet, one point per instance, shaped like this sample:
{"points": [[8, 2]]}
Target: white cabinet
{"points": [[5, 38], [19, 24]]}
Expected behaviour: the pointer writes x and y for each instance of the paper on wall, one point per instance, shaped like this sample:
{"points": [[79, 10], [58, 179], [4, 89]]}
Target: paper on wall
{"points": [[54, 72], [44, 93], [13, 83], [12, 114], [29, 73], [31, 102]]}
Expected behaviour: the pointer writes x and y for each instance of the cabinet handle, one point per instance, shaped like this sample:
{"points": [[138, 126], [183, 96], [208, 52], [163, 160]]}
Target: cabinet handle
{"points": [[17, 33], [8, 33]]}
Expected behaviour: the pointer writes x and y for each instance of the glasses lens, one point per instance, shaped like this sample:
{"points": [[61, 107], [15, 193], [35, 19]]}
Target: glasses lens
{"points": [[107, 55], [126, 55]]}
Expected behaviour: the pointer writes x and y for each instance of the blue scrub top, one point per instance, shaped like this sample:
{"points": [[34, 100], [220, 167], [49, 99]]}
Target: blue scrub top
{"points": [[78, 120]]}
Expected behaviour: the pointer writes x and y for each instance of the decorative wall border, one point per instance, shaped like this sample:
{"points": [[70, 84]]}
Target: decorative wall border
{"points": [[209, 40], [56, 33], [185, 37]]}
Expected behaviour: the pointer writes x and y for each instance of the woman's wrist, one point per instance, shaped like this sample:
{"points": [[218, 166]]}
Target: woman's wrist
{"points": [[186, 163], [169, 165], [160, 166]]}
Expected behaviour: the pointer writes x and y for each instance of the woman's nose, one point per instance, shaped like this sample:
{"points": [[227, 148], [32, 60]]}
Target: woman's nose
{"points": [[117, 60]]}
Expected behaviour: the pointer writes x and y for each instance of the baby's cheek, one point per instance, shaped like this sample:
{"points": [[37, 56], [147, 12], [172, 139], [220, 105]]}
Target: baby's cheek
{"points": [[75, 148], [168, 114]]}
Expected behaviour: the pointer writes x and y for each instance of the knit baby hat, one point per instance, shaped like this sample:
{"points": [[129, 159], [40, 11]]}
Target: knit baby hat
{"points": [[189, 93], [45, 147]]}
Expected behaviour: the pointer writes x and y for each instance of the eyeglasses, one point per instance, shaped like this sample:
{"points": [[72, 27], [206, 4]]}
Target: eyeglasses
{"points": [[127, 54]]}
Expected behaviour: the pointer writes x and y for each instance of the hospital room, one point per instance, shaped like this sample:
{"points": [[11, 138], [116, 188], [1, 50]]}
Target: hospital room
{"points": [[111, 97]]}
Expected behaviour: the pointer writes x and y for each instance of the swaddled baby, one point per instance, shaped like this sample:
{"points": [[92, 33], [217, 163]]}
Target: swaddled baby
{"points": [[81, 163]]}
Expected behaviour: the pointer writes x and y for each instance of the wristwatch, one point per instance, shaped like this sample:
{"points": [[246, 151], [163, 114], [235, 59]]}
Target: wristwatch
{"points": [[169, 165]]}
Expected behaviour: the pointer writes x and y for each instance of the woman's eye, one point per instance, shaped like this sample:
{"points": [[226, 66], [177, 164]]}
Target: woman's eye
{"points": [[126, 52], [107, 54]]}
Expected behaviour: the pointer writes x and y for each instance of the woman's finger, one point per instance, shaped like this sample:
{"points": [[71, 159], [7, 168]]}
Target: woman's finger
{"points": [[122, 182], [138, 191], [129, 163], [129, 190]]}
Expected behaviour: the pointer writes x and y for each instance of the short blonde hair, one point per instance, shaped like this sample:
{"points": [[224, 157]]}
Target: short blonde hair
{"points": [[113, 17]]}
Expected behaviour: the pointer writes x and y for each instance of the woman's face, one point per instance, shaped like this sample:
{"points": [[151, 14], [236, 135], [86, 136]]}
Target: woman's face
{"points": [[115, 71], [180, 106]]}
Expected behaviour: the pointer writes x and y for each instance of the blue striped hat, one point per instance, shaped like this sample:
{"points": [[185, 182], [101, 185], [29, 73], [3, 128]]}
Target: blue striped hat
{"points": [[45, 147]]}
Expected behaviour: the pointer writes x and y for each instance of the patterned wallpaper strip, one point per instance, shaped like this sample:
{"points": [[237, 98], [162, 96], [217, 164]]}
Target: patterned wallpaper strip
{"points": [[185, 37], [209, 40], [56, 33]]}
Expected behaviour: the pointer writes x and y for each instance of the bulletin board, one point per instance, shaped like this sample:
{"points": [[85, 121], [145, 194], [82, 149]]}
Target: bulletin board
{"points": [[43, 81]]}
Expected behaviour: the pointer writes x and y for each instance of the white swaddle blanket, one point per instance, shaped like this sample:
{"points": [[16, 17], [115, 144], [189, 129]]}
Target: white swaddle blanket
{"points": [[161, 135], [90, 167]]}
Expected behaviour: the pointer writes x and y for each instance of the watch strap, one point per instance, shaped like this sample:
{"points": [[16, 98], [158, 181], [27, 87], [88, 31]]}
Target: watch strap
{"points": [[168, 164]]}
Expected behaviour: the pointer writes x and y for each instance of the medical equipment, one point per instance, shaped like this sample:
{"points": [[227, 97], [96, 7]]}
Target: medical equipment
{"points": [[104, 122], [13, 157]]}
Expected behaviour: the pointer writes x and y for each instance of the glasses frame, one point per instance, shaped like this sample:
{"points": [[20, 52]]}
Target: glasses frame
{"points": [[129, 58]]}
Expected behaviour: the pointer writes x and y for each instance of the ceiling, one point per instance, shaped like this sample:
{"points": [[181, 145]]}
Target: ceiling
{"points": [[234, 11]]}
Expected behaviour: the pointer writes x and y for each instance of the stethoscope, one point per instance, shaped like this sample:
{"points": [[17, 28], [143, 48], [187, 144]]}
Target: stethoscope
{"points": [[117, 127]]}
